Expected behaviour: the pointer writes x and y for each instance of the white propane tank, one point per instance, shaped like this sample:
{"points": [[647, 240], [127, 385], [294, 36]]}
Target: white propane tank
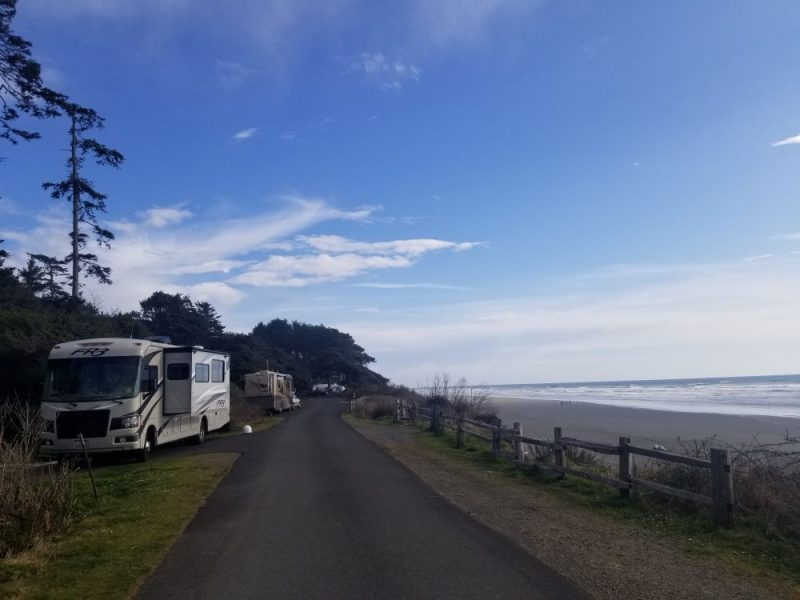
{"points": [[247, 429]]}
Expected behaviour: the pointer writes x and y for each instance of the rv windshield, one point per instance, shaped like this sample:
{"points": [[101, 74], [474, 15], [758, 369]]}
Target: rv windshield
{"points": [[85, 379]]}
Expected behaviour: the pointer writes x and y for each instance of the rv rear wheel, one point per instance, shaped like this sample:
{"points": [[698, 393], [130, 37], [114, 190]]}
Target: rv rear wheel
{"points": [[201, 435]]}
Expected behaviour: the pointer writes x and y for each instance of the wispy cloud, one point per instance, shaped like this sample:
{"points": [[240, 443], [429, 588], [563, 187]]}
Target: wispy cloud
{"points": [[196, 256], [410, 286], [388, 74], [245, 134], [304, 270], [788, 141], [159, 217], [757, 258], [412, 247], [288, 136], [231, 74], [334, 258]]}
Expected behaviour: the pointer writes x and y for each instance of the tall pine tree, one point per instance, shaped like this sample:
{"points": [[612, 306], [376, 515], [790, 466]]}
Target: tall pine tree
{"points": [[85, 200]]}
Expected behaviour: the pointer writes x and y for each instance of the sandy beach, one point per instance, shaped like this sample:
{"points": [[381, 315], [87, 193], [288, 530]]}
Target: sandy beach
{"points": [[601, 423]]}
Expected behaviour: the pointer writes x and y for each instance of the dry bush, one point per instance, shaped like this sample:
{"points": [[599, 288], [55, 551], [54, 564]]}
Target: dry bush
{"points": [[458, 398], [684, 477], [33, 503], [766, 481], [374, 407]]}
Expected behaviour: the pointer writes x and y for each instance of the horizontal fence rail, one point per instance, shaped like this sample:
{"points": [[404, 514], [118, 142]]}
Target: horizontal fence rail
{"points": [[555, 456]]}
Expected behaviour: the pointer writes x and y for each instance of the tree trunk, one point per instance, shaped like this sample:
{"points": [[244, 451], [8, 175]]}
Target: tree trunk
{"points": [[76, 199]]}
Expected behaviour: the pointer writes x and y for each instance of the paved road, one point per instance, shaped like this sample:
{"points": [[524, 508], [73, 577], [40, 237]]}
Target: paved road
{"points": [[313, 510]]}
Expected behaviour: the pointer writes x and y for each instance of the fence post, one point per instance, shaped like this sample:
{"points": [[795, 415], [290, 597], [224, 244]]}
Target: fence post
{"points": [[559, 454], [352, 402], [459, 429], [436, 419], [496, 439], [517, 444], [625, 466], [396, 410], [722, 487]]}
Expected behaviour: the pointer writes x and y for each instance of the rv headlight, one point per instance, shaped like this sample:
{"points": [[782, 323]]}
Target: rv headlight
{"points": [[125, 422]]}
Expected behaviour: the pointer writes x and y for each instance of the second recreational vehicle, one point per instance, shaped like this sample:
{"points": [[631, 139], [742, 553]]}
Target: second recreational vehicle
{"points": [[118, 394], [273, 391]]}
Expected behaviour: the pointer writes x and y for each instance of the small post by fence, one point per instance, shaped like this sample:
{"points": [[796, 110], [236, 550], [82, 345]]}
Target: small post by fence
{"points": [[88, 464], [722, 487], [559, 452], [625, 465], [517, 444], [496, 436], [412, 413], [460, 429], [396, 410]]}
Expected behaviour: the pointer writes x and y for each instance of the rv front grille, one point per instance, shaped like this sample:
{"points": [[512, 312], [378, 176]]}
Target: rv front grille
{"points": [[91, 423]]}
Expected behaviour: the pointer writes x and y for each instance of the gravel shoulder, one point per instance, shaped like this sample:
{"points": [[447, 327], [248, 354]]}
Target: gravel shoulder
{"points": [[603, 555]]}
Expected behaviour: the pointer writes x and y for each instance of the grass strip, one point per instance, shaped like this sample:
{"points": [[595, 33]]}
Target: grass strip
{"points": [[116, 542]]}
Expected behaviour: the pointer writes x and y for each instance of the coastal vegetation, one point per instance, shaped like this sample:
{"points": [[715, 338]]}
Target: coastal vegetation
{"points": [[83, 559]]}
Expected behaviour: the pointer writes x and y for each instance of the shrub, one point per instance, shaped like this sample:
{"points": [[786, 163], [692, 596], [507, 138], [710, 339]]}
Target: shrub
{"points": [[33, 503], [374, 407]]}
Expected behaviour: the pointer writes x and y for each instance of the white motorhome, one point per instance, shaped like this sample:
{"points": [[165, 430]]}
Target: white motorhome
{"points": [[131, 395], [269, 389]]}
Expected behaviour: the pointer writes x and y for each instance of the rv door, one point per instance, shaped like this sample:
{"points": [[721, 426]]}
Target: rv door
{"points": [[177, 382]]}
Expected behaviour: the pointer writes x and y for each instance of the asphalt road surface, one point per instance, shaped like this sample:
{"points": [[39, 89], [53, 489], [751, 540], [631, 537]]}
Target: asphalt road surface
{"points": [[313, 510]]}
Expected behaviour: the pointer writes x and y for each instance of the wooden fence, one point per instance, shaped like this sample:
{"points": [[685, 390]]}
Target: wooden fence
{"points": [[719, 465]]}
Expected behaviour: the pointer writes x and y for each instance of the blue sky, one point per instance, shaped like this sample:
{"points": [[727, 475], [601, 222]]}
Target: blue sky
{"points": [[511, 191]]}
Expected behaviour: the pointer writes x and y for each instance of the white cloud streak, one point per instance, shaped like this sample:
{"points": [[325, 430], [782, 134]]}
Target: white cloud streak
{"points": [[337, 258], [245, 134], [413, 247], [788, 141], [160, 217]]}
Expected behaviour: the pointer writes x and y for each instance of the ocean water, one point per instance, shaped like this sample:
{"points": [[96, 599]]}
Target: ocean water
{"points": [[775, 396]]}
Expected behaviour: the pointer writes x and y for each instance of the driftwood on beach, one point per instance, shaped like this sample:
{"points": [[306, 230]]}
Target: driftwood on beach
{"points": [[555, 458]]}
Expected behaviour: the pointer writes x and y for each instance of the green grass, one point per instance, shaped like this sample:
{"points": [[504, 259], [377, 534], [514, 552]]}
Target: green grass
{"points": [[747, 545], [118, 540]]}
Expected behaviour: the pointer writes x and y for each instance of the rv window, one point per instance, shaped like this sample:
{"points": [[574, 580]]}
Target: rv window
{"points": [[217, 370], [178, 371], [201, 373]]}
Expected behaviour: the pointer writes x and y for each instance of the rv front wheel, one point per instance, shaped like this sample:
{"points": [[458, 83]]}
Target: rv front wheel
{"points": [[201, 435], [143, 453]]}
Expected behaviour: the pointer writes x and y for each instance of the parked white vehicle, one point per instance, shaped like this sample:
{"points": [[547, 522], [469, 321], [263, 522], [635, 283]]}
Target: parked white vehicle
{"points": [[131, 395], [270, 390]]}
